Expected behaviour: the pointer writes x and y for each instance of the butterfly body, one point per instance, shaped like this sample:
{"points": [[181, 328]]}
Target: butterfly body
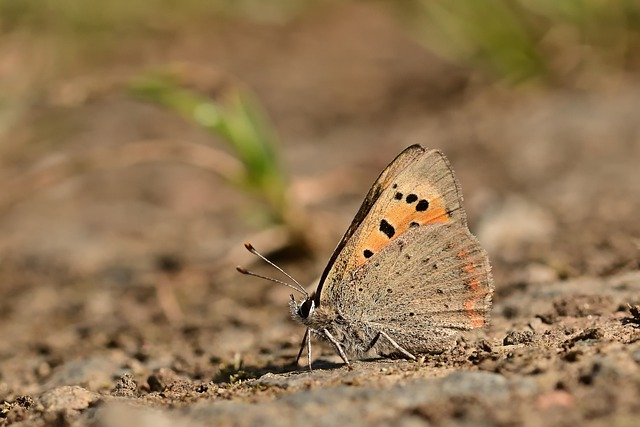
{"points": [[408, 275], [352, 332]]}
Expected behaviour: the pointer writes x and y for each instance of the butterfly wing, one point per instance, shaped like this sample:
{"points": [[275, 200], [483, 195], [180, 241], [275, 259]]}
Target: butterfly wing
{"points": [[414, 206], [417, 188], [422, 289], [407, 157]]}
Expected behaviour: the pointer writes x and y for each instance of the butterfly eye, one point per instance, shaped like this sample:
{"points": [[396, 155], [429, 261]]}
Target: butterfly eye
{"points": [[306, 308]]}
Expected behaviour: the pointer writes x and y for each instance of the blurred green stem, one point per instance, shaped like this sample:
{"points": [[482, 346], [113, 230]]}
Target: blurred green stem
{"points": [[236, 117]]}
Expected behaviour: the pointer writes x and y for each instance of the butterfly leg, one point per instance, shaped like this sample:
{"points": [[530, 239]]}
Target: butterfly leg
{"points": [[306, 339], [395, 345], [373, 342], [338, 347], [309, 350]]}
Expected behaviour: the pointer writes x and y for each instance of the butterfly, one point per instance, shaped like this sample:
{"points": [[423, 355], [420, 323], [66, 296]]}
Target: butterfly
{"points": [[407, 276]]}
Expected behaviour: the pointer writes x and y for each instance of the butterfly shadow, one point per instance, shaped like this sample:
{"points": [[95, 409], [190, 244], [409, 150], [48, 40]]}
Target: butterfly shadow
{"points": [[254, 371]]}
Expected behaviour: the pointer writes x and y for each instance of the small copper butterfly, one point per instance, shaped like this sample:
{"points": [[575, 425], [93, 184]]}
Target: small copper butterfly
{"points": [[408, 275]]}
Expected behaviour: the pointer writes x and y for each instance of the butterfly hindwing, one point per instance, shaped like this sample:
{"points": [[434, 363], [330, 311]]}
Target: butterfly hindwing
{"points": [[422, 289]]}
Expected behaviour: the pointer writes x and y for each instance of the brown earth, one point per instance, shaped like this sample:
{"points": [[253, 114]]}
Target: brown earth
{"points": [[121, 305]]}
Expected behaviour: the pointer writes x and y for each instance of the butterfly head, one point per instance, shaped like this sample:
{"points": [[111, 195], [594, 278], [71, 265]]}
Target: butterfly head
{"points": [[301, 311]]}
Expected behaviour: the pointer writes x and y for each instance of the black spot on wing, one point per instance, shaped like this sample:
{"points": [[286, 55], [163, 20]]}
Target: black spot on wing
{"points": [[422, 205], [387, 228], [367, 253], [411, 198], [398, 196]]}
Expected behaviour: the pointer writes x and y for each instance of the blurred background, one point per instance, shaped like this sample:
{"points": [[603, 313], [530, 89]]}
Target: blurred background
{"points": [[142, 142]]}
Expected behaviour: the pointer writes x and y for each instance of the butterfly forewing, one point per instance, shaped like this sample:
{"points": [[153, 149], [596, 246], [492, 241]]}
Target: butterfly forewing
{"points": [[338, 259], [416, 189]]}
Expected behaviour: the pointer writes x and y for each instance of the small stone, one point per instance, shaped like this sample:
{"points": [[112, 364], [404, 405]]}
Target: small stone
{"points": [[518, 337], [588, 334], [161, 379], [67, 397], [125, 387], [535, 324], [485, 346], [25, 401], [560, 398]]}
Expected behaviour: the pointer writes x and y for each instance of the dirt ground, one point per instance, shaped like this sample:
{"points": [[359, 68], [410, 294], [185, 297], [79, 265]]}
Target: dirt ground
{"points": [[120, 303]]}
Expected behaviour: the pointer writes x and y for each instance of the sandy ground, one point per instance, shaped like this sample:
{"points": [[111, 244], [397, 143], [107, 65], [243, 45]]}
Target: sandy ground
{"points": [[121, 305]]}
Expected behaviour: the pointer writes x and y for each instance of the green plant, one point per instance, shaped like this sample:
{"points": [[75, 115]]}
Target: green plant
{"points": [[489, 35], [523, 40], [234, 116]]}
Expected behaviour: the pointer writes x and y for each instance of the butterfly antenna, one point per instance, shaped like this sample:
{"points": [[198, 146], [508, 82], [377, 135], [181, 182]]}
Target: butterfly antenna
{"points": [[271, 279], [298, 287]]}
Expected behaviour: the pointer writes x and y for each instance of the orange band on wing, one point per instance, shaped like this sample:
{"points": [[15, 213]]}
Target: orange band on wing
{"points": [[476, 319], [401, 213]]}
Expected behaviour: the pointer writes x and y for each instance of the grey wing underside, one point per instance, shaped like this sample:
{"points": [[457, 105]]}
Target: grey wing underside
{"points": [[417, 170], [424, 288]]}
